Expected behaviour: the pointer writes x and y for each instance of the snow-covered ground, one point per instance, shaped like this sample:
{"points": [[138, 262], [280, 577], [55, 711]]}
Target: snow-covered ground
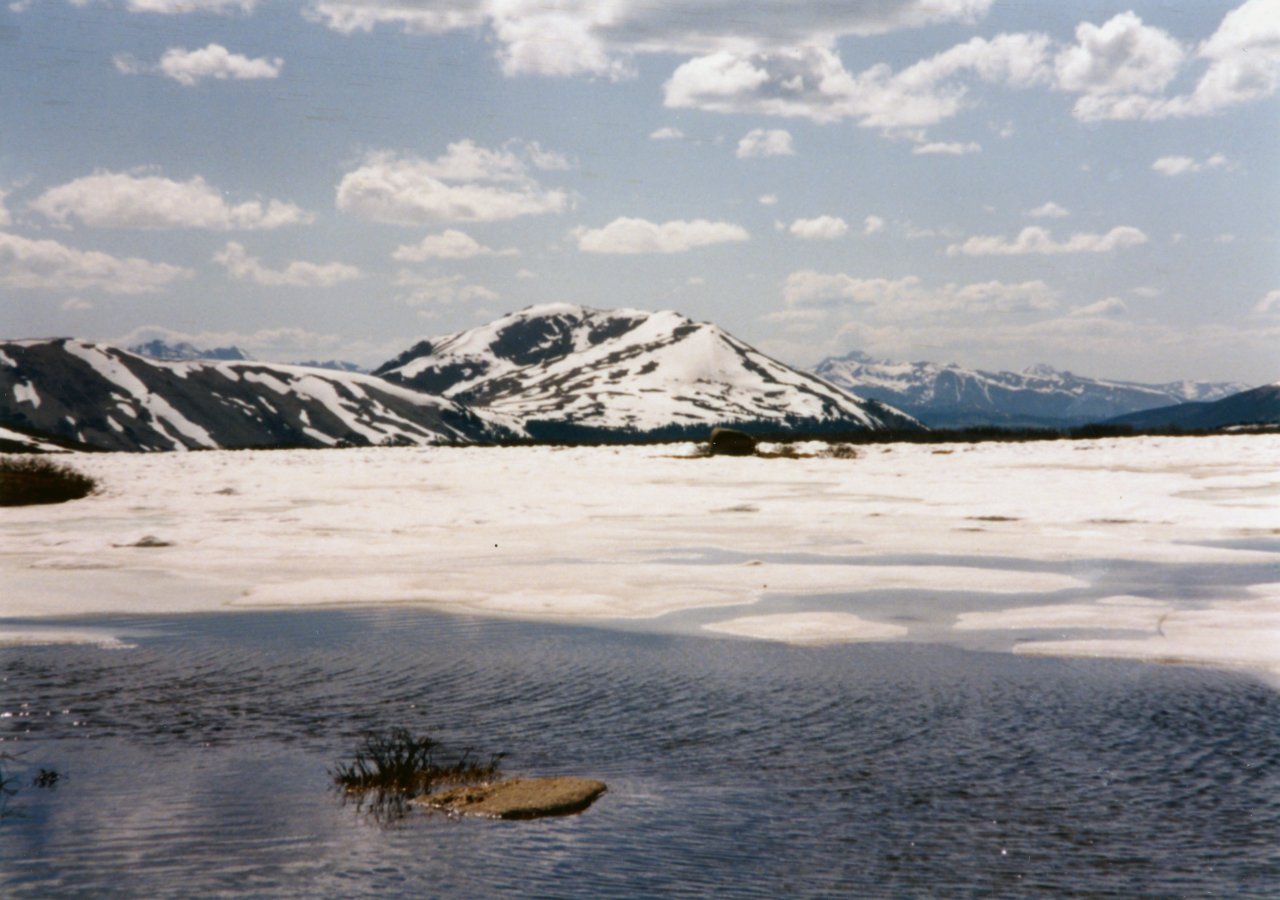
{"points": [[1164, 549]]}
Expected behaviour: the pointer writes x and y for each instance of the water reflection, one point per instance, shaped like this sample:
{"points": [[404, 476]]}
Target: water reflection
{"points": [[200, 761]]}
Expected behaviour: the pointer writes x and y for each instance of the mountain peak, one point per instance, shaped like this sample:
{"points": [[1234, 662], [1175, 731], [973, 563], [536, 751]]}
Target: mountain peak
{"points": [[625, 370]]}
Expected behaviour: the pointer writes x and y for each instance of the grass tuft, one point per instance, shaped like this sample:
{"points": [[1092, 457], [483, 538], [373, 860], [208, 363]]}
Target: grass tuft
{"points": [[28, 480], [398, 761], [392, 767]]}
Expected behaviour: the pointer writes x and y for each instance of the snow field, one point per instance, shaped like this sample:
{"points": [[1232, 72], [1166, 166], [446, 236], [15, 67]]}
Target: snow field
{"points": [[993, 545]]}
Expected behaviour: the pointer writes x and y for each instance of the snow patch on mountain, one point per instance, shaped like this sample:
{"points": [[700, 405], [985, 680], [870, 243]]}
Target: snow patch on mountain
{"points": [[1040, 396], [108, 398], [627, 371]]}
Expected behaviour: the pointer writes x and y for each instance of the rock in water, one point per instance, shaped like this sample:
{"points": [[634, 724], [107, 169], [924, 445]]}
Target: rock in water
{"points": [[519, 798]]}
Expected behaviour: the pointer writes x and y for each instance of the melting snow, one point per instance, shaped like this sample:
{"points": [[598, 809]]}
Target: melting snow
{"points": [[1068, 548]]}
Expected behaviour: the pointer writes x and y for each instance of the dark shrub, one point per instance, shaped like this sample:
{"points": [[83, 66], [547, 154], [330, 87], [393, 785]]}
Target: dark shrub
{"points": [[26, 480]]}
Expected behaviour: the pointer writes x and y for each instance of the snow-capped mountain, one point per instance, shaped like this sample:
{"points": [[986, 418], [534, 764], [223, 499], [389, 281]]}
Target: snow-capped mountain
{"points": [[107, 398], [571, 371], [183, 350], [337, 365], [1259, 406], [948, 396]]}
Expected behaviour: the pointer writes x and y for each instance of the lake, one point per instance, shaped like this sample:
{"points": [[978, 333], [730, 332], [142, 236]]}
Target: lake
{"points": [[197, 763]]}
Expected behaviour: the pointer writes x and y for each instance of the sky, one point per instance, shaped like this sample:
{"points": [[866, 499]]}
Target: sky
{"points": [[1090, 185]]}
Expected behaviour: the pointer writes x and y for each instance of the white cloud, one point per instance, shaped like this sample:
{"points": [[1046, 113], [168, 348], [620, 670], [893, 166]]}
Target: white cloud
{"points": [[1225, 238], [1048, 210], [449, 244], [1182, 165], [171, 7], [48, 265], [1118, 57], [125, 200], [822, 228], [907, 297], [1034, 239], [768, 199], [1243, 65], [1108, 307], [243, 267], [189, 67], [1269, 305], [666, 134], [5, 218], [582, 37], [630, 236], [541, 158], [812, 82], [447, 290], [953, 148], [76, 304], [760, 142], [467, 183], [872, 225]]}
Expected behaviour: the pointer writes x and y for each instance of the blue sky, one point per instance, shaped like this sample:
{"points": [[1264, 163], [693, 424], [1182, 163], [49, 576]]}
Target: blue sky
{"points": [[1092, 185]]}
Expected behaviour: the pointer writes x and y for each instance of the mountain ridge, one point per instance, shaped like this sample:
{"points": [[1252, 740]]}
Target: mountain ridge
{"points": [[950, 396], [566, 369]]}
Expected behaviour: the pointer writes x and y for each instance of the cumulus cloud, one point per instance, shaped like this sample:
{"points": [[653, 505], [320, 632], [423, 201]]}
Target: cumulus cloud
{"points": [[953, 148], [1269, 304], [447, 290], [1037, 240], [48, 265], [449, 244], [812, 82], [906, 297], [1120, 56], [1048, 210], [822, 228], [632, 236], [872, 225], [1124, 67], [666, 134], [467, 183], [760, 142], [243, 267], [189, 67], [581, 37], [1108, 307], [174, 7], [1182, 165], [128, 200], [5, 218], [767, 199]]}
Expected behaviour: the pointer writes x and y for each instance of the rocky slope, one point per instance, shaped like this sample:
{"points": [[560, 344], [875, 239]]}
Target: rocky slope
{"points": [[1259, 406], [107, 398]]}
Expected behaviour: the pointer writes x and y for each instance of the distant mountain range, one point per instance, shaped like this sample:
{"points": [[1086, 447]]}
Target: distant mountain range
{"points": [[548, 373], [182, 351], [949, 396], [568, 371]]}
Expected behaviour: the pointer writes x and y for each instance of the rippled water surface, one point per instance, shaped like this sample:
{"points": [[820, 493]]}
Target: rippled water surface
{"points": [[197, 763]]}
